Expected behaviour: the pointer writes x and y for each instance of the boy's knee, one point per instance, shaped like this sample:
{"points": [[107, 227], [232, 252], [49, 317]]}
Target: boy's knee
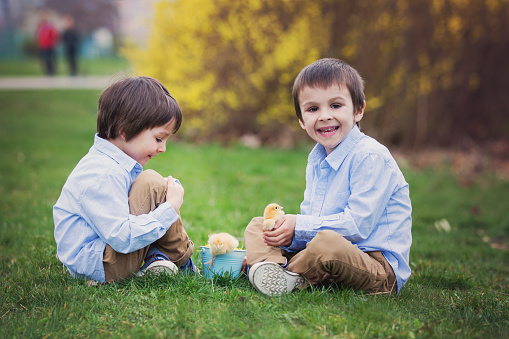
{"points": [[149, 178], [148, 190], [328, 243], [255, 225], [253, 231]]}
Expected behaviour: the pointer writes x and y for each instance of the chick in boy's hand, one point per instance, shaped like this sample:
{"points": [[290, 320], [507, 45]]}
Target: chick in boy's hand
{"points": [[272, 213]]}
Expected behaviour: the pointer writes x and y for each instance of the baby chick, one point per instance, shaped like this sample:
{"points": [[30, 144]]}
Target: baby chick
{"points": [[273, 212], [221, 243]]}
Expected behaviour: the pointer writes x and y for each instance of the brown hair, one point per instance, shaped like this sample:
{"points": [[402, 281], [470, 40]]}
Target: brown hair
{"points": [[326, 72], [135, 104]]}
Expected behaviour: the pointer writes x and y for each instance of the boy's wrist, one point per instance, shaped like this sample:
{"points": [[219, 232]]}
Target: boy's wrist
{"points": [[166, 214], [303, 223]]}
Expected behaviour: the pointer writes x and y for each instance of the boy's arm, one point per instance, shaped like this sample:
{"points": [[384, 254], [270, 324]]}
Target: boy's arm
{"points": [[105, 207], [372, 182], [283, 234]]}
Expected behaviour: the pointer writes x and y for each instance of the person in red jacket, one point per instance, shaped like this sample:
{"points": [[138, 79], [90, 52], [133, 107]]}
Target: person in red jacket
{"points": [[47, 39]]}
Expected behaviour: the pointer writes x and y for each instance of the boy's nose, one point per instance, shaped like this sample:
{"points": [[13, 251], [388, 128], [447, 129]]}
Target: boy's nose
{"points": [[325, 115], [162, 148]]}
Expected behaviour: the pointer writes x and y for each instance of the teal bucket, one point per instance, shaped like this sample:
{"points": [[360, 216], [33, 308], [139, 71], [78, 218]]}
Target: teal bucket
{"points": [[230, 263]]}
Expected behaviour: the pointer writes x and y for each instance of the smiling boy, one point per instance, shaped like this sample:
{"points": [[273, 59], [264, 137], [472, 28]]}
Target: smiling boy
{"points": [[112, 216], [354, 229]]}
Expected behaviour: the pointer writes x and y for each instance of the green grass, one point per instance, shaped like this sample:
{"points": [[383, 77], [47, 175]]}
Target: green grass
{"points": [[459, 286], [32, 67]]}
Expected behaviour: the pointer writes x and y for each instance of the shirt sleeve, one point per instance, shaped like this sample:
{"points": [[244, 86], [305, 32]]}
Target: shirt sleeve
{"points": [[372, 181], [105, 207]]}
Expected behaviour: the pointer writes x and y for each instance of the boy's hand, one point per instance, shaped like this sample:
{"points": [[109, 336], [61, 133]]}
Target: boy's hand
{"points": [[174, 193], [282, 234]]}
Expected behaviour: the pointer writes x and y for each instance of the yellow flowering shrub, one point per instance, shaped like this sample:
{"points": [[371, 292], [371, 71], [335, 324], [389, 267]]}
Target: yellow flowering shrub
{"points": [[231, 64]]}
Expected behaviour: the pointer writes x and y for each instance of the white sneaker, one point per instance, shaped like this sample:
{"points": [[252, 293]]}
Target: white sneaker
{"points": [[160, 266], [271, 279]]}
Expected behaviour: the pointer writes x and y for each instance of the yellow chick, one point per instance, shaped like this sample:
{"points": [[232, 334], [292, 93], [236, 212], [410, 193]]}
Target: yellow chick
{"points": [[221, 243], [273, 212]]}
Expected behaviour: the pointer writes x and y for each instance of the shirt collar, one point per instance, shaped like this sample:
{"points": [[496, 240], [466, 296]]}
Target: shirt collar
{"points": [[112, 151], [336, 157]]}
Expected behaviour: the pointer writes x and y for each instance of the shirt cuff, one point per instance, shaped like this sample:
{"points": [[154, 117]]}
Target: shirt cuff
{"points": [[304, 228], [166, 214], [297, 242]]}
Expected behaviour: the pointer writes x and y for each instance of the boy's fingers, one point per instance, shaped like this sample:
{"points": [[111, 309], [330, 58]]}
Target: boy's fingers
{"points": [[171, 180], [274, 242], [270, 234], [272, 237], [275, 237], [175, 180]]}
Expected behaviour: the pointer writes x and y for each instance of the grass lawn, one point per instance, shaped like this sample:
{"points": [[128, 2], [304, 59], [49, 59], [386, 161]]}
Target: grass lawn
{"points": [[32, 66], [459, 286]]}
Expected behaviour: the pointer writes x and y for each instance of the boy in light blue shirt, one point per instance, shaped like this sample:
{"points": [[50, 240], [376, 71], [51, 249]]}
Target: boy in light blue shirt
{"points": [[355, 223], [112, 216]]}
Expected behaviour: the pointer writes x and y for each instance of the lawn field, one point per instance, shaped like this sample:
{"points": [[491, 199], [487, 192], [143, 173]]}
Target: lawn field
{"points": [[459, 285], [32, 66]]}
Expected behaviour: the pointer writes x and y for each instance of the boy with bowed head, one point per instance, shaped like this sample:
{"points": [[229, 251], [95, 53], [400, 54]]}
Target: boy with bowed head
{"points": [[355, 224], [112, 216]]}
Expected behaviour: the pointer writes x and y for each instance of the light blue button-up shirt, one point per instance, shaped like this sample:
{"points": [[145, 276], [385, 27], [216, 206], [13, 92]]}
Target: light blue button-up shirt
{"points": [[359, 192], [93, 211]]}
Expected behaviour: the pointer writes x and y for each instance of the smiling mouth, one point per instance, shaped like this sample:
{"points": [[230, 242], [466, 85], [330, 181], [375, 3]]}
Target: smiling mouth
{"points": [[328, 130]]}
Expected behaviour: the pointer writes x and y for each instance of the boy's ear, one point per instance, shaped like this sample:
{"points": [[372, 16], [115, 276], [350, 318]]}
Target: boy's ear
{"points": [[121, 134], [301, 123], [358, 116]]}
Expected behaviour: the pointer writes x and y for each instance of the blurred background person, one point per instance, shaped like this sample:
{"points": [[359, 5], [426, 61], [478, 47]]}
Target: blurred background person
{"points": [[71, 41], [47, 38]]}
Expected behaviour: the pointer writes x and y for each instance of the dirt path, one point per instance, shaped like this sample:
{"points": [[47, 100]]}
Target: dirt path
{"points": [[78, 82]]}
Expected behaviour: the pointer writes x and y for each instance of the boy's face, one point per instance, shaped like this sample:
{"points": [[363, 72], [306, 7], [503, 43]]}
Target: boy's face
{"points": [[148, 143], [327, 114]]}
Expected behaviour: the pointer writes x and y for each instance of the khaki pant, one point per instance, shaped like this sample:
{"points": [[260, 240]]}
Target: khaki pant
{"points": [[328, 258], [147, 192]]}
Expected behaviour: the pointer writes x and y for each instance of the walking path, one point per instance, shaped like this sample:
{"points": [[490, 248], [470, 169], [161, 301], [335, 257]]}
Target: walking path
{"points": [[77, 82]]}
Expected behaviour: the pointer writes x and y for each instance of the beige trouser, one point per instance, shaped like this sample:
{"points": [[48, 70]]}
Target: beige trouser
{"points": [[327, 258], [147, 192]]}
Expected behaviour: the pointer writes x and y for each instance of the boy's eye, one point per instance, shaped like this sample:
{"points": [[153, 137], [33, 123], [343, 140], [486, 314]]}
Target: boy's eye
{"points": [[313, 109], [335, 106], [159, 140]]}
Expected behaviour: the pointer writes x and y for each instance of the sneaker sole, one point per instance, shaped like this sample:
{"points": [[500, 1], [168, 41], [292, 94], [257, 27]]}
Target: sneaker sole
{"points": [[160, 266], [271, 279]]}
